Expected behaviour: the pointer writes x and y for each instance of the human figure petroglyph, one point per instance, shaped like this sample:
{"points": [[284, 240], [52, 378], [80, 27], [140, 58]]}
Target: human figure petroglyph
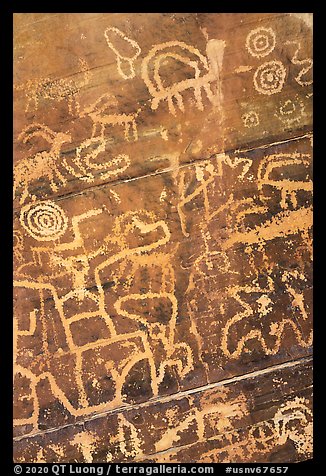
{"points": [[276, 329], [206, 70], [118, 42], [56, 89], [287, 186], [178, 354], [103, 113], [207, 173], [138, 350], [44, 164], [305, 63]]}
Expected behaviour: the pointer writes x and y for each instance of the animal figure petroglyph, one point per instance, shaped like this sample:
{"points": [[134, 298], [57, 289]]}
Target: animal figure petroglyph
{"points": [[292, 421], [55, 89], [287, 186], [116, 39], [283, 224], [206, 70], [135, 346], [220, 414], [47, 164], [102, 116], [44, 164], [286, 425]]}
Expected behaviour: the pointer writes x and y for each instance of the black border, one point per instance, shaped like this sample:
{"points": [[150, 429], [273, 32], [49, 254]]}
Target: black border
{"points": [[7, 9]]}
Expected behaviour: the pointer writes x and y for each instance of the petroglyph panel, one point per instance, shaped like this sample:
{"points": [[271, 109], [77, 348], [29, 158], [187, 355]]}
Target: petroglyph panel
{"points": [[261, 418], [162, 237], [129, 98]]}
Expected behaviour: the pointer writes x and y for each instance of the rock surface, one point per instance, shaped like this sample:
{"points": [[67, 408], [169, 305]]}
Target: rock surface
{"points": [[163, 229]]}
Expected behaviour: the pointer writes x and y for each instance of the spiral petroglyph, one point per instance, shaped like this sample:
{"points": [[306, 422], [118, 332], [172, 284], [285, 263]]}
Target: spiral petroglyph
{"points": [[44, 221], [269, 77]]}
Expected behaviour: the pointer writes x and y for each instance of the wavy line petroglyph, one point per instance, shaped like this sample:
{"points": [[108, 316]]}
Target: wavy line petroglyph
{"points": [[119, 43], [206, 70], [51, 166], [305, 63]]}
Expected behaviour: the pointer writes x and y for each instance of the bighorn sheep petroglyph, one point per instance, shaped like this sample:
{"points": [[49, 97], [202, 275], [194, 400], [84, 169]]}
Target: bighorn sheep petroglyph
{"points": [[103, 113], [42, 164]]}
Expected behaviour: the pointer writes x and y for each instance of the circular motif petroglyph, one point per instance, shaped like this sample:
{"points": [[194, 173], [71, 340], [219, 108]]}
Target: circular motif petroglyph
{"points": [[44, 221], [269, 78], [290, 111], [250, 119], [260, 42]]}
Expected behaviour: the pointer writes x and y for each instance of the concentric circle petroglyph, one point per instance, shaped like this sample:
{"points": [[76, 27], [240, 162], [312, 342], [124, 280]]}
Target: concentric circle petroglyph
{"points": [[269, 78], [260, 42], [44, 221], [250, 119]]}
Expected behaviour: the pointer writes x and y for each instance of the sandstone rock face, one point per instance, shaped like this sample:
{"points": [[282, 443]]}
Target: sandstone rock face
{"points": [[163, 229]]}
